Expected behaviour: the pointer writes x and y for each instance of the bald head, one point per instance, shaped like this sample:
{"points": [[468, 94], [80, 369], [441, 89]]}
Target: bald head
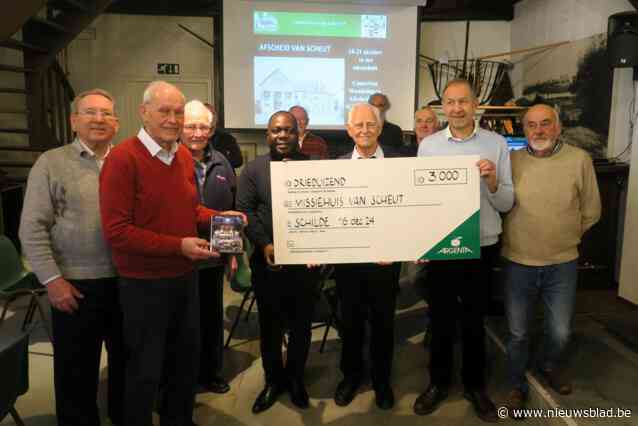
{"points": [[542, 107], [162, 112], [462, 83], [357, 108], [542, 129], [158, 87], [459, 107], [364, 127]]}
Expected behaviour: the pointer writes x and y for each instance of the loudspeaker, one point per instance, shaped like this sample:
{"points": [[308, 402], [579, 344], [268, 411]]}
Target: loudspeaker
{"points": [[622, 39]]}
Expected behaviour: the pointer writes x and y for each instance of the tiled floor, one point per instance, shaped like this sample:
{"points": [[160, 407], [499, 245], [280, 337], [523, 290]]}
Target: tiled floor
{"points": [[606, 373]]}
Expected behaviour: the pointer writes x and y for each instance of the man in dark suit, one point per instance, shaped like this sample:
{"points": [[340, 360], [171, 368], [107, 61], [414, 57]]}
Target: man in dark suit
{"points": [[367, 290], [285, 294]]}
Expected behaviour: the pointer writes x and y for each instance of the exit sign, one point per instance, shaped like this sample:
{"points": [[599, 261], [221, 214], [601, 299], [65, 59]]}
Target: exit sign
{"points": [[168, 68]]}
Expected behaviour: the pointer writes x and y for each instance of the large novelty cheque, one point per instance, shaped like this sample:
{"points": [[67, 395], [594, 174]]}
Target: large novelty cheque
{"points": [[393, 209]]}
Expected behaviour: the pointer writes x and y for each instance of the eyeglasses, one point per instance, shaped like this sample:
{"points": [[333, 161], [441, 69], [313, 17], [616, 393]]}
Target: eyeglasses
{"points": [[192, 128], [94, 113], [426, 121]]}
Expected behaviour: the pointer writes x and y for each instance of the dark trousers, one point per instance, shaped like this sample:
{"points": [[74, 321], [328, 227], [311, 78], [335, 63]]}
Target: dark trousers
{"points": [[367, 291], [161, 333], [459, 290], [77, 345], [211, 311], [285, 301]]}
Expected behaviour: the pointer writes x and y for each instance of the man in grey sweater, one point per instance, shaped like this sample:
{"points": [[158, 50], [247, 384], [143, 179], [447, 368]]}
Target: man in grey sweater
{"points": [[61, 235], [460, 288]]}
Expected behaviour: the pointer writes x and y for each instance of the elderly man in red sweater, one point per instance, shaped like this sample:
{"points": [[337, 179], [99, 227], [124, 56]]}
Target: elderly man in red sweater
{"points": [[150, 214]]}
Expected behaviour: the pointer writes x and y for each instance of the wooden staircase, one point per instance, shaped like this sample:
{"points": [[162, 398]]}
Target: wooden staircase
{"points": [[35, 94]]}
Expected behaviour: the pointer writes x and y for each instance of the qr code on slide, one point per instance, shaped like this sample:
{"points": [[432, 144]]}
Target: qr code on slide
{"points": [[374, 26]]}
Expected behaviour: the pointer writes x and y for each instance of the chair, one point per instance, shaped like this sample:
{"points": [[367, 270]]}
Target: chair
{"points": [[242, 283], [14, 370], [327, 292], [16, 281]]}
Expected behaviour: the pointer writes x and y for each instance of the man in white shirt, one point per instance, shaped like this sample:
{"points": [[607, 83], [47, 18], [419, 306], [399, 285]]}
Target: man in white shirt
{"points": [[367, 290]]}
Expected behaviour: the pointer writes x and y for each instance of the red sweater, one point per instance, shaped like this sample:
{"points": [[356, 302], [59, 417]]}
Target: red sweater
{"points": [[147, 208]]}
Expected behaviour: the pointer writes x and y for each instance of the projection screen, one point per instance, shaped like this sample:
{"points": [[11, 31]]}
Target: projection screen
{"points": [[322, 56]]}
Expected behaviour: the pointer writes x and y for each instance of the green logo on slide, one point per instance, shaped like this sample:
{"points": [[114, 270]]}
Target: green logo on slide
{"points": [[320, 24], [464, 242]]}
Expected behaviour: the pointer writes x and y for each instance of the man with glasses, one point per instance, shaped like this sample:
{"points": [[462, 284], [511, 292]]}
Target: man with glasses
{"points": [[460, 289], [61, 236], [150, 215], [367, 290], [310, 144], [216, 186], [557, 201], [285, 294]]}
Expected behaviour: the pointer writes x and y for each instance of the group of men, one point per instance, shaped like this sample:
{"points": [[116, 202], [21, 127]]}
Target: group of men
{"points": [[113, 232]]}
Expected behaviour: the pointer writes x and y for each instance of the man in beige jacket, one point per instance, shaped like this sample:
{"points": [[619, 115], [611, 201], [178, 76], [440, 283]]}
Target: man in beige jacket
{"points": [[557, 200]]}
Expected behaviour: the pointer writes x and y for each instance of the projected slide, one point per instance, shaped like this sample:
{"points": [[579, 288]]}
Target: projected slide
{"points": [[323, 57], [327, 67]]}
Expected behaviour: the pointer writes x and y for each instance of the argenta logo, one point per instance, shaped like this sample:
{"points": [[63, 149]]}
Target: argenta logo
{"points": [[456, 248]]}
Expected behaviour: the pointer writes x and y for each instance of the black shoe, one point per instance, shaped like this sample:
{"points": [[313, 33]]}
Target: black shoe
{"points": [[267, 397], [217, 385], [483, 405], [346, 391], [559, 381], [430, 400], [384, 397], [298, 393]]}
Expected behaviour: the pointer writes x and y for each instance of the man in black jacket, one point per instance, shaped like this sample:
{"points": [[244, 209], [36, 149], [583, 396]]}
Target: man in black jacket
{"points": [[367, 290], [285, 294]]}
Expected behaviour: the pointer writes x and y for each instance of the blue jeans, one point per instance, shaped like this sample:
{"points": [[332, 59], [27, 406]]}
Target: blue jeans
{"points": [[555, 285]]}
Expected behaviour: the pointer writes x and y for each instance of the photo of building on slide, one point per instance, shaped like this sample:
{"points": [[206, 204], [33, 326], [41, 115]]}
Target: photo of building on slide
{"points": [[317, 84]]}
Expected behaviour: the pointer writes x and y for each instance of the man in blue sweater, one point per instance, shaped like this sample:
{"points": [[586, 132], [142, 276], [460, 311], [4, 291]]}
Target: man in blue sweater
{"points": [[460, 288]]}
